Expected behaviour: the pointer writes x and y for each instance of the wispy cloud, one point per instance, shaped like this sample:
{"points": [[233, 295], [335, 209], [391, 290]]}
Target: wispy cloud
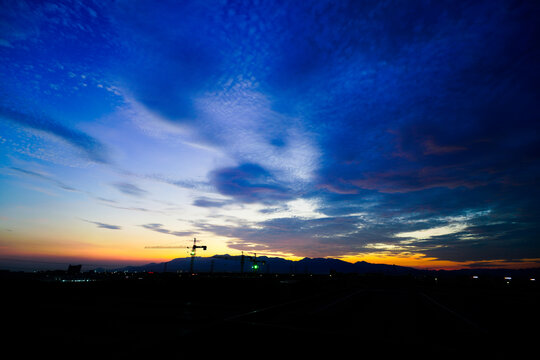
{"points": [[159, 228], [129, 189], [103, 225], [45, 177], [210, 203], [90, 146]]}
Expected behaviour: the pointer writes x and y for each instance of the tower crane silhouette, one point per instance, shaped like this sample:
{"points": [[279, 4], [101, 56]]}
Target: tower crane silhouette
{"points": [[193, 252]]}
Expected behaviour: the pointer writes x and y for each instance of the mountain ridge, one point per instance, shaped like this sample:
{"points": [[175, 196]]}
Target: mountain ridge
{"points": [[275, 265]]}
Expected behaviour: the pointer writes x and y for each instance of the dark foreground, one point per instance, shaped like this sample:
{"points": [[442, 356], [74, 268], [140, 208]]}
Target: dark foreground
{"points": [[172, 316]]}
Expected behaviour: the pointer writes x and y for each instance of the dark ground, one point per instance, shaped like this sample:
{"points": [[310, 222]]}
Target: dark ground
{"points": [[172, 316]]}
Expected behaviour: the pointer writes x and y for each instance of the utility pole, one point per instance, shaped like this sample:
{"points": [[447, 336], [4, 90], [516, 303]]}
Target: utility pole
{"points": [[255, 263]]}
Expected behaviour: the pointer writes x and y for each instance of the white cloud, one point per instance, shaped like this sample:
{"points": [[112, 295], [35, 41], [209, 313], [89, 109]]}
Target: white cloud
{"points": [[248, 129], [437, 231]]}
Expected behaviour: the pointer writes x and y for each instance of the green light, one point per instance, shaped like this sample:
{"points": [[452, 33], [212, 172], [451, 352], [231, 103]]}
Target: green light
{"points": [[193, 253], [255, 266]]}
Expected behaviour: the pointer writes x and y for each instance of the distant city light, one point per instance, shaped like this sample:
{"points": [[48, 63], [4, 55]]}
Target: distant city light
{"points": [[475, 277], [508, 278], [533, 279]]}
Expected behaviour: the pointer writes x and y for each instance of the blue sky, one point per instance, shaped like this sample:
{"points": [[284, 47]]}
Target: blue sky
{"points": [[386, 131]]}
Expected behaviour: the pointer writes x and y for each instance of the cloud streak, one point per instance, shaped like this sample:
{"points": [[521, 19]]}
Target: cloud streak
{"points": [[159, 228], [129, 189], [104, 225], [210, 203], [44, 177], [93, 149]]}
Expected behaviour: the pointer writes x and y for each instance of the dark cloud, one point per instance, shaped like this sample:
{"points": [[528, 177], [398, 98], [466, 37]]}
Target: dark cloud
{"points": [[454, 117], [484, 233], [497, 240], [333, 236], [210, 203], [249, 183]]}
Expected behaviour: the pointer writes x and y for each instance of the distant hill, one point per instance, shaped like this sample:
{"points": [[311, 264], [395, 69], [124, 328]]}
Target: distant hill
{"points": [[319, 266], [273, 265]]}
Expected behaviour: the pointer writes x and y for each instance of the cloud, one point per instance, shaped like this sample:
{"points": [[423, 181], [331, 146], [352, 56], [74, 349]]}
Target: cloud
{"points": [[431, 148], [93, 149], [249, 183], [210, 203], [45, 177], [453, 235], [391, 181], [433, 232], [190, 184], [483, 240], [410, 115], [159, 228], [331, 236], [103, 225], [392, 117], [129, 189]]}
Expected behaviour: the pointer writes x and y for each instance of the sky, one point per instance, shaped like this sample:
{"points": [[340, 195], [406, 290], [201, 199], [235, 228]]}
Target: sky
{"points": [[397, 132]]}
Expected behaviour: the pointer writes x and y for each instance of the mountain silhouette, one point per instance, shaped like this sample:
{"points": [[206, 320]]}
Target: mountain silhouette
{"points": [[323, 266], [274, 265]]}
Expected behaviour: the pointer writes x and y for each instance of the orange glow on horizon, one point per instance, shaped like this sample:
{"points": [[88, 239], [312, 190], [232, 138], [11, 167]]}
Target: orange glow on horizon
{"points": [[419, 261], [19, 247]]}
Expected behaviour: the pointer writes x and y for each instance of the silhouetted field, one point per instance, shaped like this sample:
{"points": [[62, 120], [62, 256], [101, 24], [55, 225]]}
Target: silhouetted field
{"points": [[170, 315]]}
